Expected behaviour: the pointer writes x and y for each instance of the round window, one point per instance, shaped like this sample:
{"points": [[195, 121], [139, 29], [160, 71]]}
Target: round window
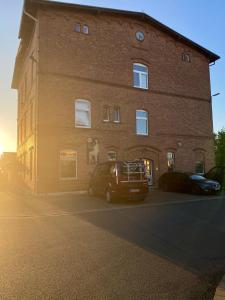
{"points": [[140, 36]]}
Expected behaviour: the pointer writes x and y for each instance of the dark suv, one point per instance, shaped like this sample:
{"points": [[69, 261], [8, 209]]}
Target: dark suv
{"points": [[218, 174], [119, 179]]}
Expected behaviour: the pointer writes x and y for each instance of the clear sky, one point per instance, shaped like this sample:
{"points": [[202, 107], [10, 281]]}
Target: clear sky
{"points": [[200, 20]]}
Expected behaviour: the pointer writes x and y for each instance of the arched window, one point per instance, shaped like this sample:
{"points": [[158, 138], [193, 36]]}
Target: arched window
{"points": [[141, 122], [116, 114], [68, 164], [83, 113], [112, 155], [140, 76], [171, 161], [199, 166]]}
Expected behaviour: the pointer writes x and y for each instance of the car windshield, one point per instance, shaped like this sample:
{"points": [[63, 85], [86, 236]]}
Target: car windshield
{"points": [[197, 177]]}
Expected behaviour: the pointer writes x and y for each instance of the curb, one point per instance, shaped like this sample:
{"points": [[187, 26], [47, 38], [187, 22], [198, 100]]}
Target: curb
{"points": [[220, 290]]}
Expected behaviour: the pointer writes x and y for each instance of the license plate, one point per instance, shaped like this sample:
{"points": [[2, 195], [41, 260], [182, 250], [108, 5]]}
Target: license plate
{"points": [[134, 190]]}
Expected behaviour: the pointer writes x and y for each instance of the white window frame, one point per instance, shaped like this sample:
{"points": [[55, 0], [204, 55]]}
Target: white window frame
{"points": [[116, 108], [77, 27], [88, 110], [142, 118], [140, 74], [67, 178], [85, 29], [108, 113], [186, 57]]}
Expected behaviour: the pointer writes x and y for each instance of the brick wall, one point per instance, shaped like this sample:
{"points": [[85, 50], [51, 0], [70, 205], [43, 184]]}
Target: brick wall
{"points": [[98, 67]]}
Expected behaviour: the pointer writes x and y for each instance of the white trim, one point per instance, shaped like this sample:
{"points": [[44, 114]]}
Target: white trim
{"points": [[89, 112], [140, 73], [108, 113], [142, 118], [117, 110]]}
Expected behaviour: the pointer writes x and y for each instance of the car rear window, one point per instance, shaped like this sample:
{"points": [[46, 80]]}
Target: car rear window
{"points": [[132, 171]]}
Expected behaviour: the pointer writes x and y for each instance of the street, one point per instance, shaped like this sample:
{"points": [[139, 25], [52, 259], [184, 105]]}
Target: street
{"points": [[172, 246]]}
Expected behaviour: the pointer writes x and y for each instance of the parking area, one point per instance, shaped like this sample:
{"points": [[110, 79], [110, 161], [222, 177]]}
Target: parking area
{"points": [[171, 246], [73, 203]]}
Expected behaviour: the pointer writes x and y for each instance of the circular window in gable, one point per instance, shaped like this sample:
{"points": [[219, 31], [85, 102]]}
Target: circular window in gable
{"points": [[140, 36]]}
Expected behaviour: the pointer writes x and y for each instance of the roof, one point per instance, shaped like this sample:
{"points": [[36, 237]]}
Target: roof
{"points": [[32, 5]]}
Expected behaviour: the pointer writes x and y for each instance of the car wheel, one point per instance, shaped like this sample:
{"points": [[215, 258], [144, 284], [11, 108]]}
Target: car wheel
{"points": [[108, 196]]}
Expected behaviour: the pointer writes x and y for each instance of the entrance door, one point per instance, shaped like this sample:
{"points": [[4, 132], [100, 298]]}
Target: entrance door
{"points": [[149, 170]]}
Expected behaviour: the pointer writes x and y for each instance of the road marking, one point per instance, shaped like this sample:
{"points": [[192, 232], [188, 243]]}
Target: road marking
{"points": [[60, 213]]}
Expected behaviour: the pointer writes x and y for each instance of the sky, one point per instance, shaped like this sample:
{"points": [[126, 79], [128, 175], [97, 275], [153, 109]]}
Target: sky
{"points": [[203, 21]]}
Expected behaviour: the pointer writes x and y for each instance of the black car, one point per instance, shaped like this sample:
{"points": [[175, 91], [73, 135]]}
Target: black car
{"points": [[218, 174], [188, 183], [119, 179]]}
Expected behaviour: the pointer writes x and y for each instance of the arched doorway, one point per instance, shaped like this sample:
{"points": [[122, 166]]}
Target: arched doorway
{"points": [[149, 170]]}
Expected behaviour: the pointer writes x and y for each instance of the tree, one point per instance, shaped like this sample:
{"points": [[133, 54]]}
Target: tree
{"points": [[220, 147]]}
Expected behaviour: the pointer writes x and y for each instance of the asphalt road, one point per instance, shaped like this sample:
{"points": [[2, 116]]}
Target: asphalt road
{"points": [[74, 247]]}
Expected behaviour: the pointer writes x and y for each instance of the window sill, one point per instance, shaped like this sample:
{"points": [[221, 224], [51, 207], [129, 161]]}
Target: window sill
{"points": [[142, 134], [140, 88], [84, 127]]}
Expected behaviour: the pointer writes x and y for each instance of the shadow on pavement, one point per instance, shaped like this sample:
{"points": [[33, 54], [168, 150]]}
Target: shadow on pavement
{"points": [[191, 235]]}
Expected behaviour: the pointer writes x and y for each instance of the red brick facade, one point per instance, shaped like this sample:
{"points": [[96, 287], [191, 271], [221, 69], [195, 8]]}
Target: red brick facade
{"points": [[58, 65]]}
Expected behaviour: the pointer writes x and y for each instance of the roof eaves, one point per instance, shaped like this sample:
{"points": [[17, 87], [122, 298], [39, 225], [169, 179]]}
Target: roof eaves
{"points": [[212, 56]]}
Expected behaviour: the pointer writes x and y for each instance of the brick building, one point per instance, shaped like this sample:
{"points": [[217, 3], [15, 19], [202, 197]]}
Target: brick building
{"points": [[97, 84]]}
